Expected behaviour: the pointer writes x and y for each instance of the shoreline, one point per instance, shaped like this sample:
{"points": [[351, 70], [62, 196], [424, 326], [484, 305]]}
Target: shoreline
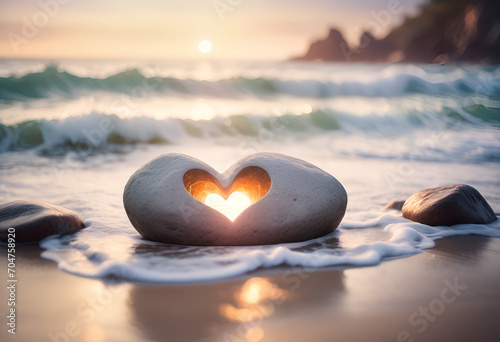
{"points": [[392, 301]]}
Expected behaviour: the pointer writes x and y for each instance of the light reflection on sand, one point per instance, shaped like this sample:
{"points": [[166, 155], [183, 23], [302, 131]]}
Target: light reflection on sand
{"points": [[254, 301], [93, 333]]}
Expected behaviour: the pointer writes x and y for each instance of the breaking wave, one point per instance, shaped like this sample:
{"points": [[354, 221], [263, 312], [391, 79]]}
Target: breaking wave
{"points": [[54, 82]]}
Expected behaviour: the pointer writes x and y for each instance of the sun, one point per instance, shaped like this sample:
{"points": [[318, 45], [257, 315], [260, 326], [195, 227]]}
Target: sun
{"points": [[205, 46]]}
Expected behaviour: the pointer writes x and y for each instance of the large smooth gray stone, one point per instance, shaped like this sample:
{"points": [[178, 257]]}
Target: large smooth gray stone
{"points": [[448, 205], [303, 201], [35, 220]]}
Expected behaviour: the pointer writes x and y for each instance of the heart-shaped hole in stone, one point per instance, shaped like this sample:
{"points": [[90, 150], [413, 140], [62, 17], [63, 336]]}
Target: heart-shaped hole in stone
{"points": [[252, 182]]}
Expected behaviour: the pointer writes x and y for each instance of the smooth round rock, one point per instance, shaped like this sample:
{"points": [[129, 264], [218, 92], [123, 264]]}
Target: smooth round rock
{"points": [[35, 220], [448, 205], [298, 201], [396, 205]]}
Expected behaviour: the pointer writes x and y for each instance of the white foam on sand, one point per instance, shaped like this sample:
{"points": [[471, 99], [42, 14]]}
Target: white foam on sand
{"points": [[356, 243]]}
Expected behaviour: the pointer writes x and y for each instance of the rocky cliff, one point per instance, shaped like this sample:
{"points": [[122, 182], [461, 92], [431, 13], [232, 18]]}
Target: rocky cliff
{"points": [[444, 30]]}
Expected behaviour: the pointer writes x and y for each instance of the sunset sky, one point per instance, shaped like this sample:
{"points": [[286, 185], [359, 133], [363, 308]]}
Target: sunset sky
{"points": [[237, 29]]}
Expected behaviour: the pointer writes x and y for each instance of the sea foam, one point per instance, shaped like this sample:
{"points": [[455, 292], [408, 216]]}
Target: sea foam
{"points": [[133, 259]]}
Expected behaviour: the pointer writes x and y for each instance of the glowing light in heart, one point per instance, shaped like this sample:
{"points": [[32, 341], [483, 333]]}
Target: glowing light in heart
{"points": [[232, 207]]}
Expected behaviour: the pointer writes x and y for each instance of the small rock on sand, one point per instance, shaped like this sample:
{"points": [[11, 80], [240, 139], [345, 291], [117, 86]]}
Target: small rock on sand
{"points": [[35, 220], [448, 205], [397, 205]]}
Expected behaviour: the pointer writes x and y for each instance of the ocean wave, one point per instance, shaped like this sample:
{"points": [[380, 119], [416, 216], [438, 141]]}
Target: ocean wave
{"points": [[54, 82], [97, 131], [473, 132]]}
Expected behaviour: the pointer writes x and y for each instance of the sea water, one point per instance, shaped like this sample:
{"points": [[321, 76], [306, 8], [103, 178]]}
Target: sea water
{"points": [[72, 132]]}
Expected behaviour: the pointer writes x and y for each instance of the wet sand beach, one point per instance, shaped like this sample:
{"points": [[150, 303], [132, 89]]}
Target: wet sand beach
{"points": [[448, 293]]}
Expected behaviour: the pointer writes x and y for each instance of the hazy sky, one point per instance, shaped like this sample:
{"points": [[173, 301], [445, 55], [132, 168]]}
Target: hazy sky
{"points": [[250, 29]]}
